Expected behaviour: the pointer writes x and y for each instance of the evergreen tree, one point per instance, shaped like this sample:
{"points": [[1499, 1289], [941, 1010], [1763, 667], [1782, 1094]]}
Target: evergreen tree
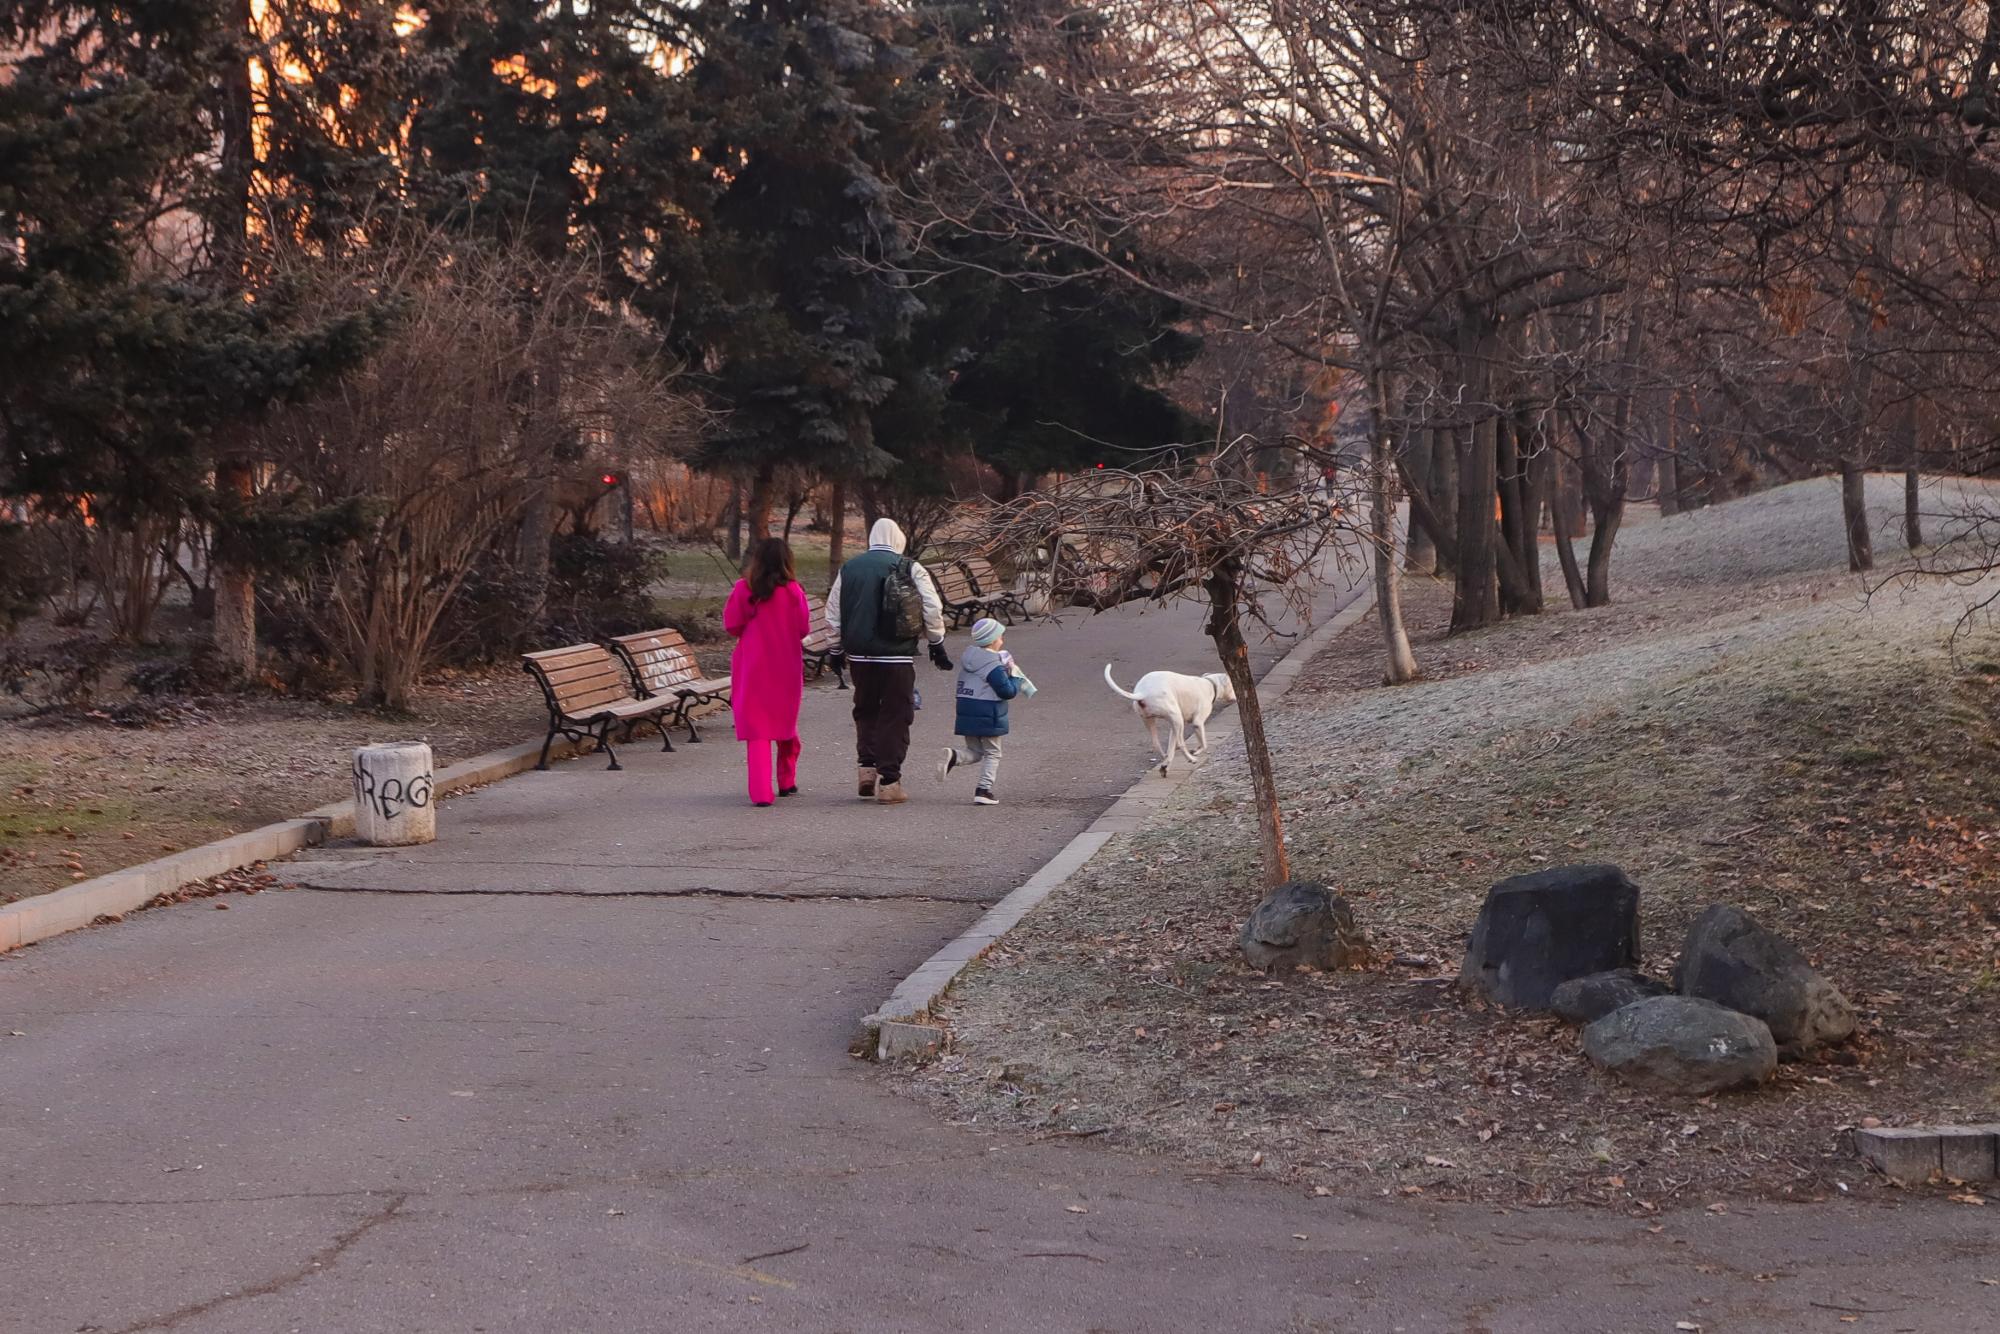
{"points": [[800, 245], [121, 364]]}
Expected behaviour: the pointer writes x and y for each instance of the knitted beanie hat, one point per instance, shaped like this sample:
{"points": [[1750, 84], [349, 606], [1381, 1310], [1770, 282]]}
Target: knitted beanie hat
{"points": [[985, 630]]}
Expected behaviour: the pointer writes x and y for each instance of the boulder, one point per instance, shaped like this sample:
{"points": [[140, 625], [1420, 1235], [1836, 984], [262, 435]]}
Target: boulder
{"points": [[1732, 961], [1677, 1044], [1584, 1000], [1538, 931], [1302, 923]]}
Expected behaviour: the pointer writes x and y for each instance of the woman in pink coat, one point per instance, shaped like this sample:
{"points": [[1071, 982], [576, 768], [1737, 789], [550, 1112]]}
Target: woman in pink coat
{"points": [[767, 615]]}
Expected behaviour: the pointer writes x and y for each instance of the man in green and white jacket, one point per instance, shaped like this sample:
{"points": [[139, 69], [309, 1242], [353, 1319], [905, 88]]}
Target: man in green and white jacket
{"points": [[883, 670]]}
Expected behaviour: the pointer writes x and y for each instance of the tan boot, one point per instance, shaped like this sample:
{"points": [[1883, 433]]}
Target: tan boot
{"points": [[864, 781], [890, 794]]}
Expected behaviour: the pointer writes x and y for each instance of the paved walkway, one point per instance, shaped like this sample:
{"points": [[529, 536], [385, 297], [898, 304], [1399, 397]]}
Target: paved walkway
{"points": [[574, 1068]]}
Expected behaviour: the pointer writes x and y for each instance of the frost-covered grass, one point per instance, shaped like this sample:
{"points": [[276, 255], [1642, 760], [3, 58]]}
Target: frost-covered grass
{"points": [[1744, 725]]}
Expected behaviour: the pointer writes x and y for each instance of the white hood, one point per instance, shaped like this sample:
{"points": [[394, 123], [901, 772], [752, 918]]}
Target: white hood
{"points": [[887, 535]]}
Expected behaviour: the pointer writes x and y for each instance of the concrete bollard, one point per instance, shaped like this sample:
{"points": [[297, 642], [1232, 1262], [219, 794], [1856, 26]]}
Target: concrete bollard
{"points": [[392, 795]]}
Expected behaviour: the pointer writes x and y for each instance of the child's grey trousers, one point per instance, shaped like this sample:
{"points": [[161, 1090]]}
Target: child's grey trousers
{"points": [[983, 750]]}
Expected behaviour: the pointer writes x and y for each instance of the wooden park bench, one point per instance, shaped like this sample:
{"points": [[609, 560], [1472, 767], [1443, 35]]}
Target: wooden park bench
{"points": [[588, 694], [663, 667], [821, 646], [963, 602], [1002, 599]]}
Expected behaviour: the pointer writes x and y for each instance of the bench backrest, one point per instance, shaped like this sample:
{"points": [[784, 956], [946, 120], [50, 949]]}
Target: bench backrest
{"points": [[819, 635], [953, 584], [987, 579], [580, 678], [661, 660]]}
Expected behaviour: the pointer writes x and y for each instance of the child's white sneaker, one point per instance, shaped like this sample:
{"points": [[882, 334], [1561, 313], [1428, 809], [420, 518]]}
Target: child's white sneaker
{"points": [[947, 763], [984, 798]]}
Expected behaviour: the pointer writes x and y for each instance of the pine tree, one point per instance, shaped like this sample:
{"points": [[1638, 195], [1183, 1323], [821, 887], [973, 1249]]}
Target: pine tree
{"points": [[800, 245], [121, 361]]}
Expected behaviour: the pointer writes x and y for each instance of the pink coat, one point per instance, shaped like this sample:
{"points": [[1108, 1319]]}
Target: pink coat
{"points": [[766, 672]]}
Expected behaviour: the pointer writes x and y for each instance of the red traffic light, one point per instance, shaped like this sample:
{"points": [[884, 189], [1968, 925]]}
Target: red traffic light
{"points": [[1100, 465], [610, 479]]}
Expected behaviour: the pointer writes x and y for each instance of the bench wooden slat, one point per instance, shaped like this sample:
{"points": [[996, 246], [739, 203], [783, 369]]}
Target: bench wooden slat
{"points": [[584, 673], [551, 658], [585, 703]]}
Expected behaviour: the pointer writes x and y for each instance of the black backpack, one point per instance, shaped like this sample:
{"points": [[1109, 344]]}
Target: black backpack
{"points": [[902, 611]]}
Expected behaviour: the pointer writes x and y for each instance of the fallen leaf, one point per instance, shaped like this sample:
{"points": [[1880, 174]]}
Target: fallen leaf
{"points": [[1077, 1209], [1432, 1160], [1688, 1325], [1967, 1198], [1718, 1208]]}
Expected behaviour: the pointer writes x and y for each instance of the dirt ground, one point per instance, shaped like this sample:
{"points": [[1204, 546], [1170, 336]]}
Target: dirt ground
{"points": [[1742, 727], [80, 797]]}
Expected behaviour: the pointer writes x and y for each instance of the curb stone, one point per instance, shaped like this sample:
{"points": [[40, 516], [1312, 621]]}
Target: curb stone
{"points": [[1912, 1155], [116, 893], [902, 1025]]}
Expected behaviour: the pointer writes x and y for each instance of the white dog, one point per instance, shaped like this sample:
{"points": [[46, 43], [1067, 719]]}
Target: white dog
{"points": [[1169, 703]]}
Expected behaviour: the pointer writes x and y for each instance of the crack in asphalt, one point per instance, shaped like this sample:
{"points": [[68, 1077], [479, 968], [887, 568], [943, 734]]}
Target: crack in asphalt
{"points": [[315, 1263], [696, 892]]}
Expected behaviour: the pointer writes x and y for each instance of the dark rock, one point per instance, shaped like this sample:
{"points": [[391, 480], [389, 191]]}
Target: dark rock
{"points": [[1302, 923], [1583, 1000], [1732, 961], [1677, 1044], [1538, 931]]}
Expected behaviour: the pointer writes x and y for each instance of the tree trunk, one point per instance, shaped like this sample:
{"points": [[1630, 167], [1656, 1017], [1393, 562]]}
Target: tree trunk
{"points": [[1444, 489], [1670, 462], [1476, 596], [1402, 662], [1854, 507], [836, 526], [1913, 518], [871, 507], [1521, 571], [1572, 576], [1604, 531], [732, 541], [1225, 627], [758, 509], [1422, 557], [234, 632]]}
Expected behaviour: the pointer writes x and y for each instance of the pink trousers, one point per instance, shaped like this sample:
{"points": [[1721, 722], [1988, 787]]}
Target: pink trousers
{"points": [[757, 760]]}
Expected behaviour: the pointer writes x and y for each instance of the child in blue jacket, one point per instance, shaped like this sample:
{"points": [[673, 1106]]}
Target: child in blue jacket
{"points": [[987, 679]]}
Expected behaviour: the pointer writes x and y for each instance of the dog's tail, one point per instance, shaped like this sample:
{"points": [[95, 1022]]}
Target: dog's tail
{"points": [[1115, 686]]}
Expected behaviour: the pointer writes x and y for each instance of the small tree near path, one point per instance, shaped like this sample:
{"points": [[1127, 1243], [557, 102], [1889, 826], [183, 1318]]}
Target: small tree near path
{"points": [[1166, 535]]}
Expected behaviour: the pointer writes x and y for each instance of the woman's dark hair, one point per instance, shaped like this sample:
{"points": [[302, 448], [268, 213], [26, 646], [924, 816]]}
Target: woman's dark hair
{"points": [[769, 568]]}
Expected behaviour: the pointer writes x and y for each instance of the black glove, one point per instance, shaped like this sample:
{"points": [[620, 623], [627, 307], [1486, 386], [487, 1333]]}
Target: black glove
{"points": [[939, 658]]}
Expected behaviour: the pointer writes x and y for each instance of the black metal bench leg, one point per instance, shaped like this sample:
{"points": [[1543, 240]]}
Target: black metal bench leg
{"points": [[547, 741], [604, 744], [666, 737], [688, 718]]}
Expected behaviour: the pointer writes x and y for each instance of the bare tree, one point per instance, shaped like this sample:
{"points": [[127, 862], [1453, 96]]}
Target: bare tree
{"points": [[431, 439], [1205, 535]]}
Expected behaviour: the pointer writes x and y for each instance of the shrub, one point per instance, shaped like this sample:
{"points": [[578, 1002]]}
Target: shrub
{"points": [[599, 588], [59, 675]]}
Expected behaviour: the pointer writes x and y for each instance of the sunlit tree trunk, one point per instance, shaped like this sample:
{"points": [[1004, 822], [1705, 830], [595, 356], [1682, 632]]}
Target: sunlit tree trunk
{"points": [[1225, 627]]}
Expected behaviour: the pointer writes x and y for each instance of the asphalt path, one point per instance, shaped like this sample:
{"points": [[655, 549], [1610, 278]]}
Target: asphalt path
{"points": [[582, 1065]]}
